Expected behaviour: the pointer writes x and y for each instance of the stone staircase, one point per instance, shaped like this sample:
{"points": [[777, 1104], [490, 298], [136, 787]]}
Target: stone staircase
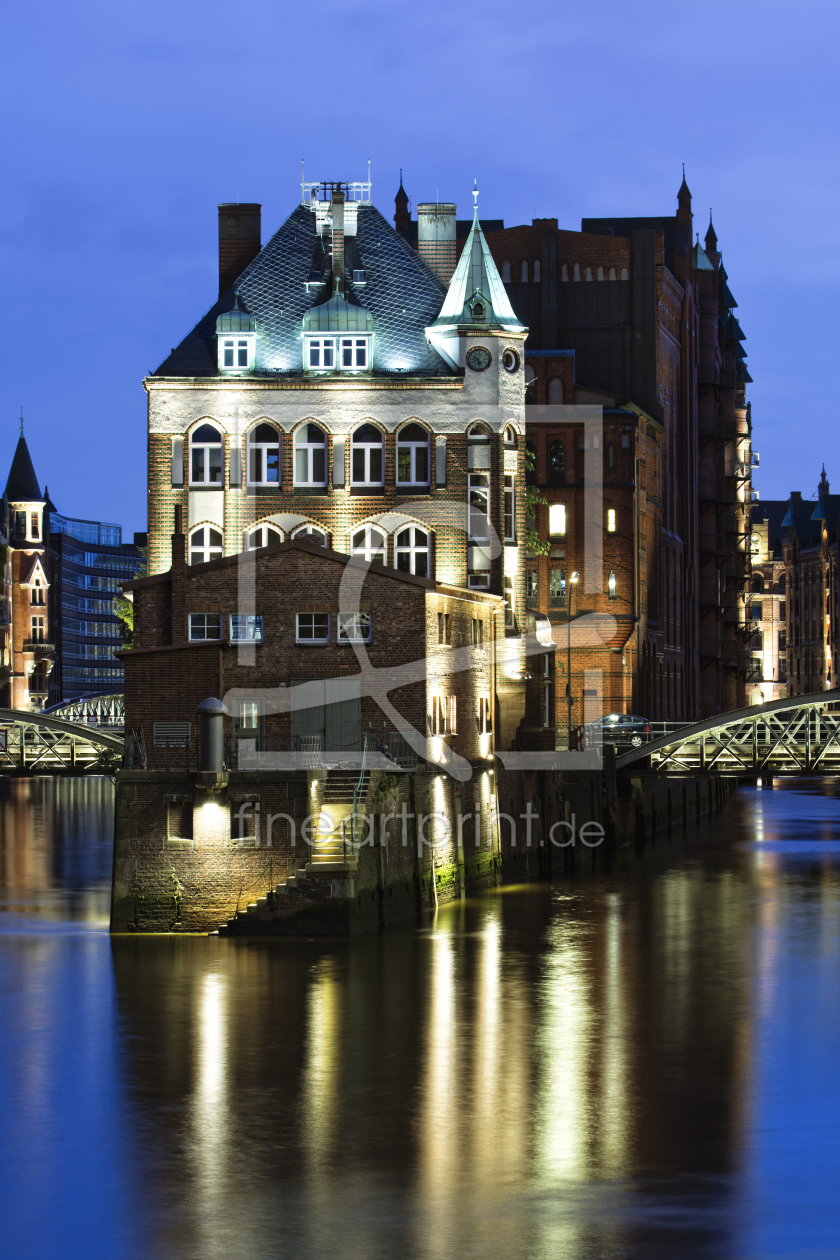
{"points": [[330, 870]]}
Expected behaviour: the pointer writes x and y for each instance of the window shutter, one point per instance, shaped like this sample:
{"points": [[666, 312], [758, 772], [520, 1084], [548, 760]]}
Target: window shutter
{"points": [[177, 461], [440, 461], [338, 463], [235, 464]]}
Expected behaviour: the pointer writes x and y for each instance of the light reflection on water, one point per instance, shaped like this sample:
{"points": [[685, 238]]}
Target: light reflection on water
{"points": [[643, 1064]]}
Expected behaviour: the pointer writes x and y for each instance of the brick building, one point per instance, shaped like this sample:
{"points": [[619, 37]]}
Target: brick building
{"points": [[30, 649], [634, 316], [812, 589], [767, 608]]}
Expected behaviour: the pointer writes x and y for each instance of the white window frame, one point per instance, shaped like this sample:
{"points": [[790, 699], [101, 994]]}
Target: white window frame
{"points": [[310, 530], [610, 520], [259, 537], [38, 629], [309, 449], [210, 550], [203, 449], [373, 552], [320, 353], [307, 640], [205, 622], [354, 627], [236, 347], [413, 447], [412, 549], [358, 351], [365, 449], [258, 452], [246, 628]]}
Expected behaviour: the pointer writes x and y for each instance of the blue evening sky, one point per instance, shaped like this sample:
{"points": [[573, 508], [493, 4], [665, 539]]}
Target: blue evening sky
{"points": [[127, 124]]}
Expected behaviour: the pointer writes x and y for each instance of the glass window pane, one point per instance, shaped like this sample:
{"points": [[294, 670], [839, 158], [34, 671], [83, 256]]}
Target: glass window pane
{"points": [[215, 454], [242, 357], [256, 464], [215, 538], [358, 464], [314, 354], [347, 354], [404, 463], [228, 358], [421, 564], [421, 464], [404, 561], [272, 463], [198, 463], [302, 466], [328, 354], [376, 464], [319, 466], [361, 354]]}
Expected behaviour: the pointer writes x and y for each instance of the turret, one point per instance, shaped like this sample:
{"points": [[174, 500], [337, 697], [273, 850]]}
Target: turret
{"points": [[402, 215]]}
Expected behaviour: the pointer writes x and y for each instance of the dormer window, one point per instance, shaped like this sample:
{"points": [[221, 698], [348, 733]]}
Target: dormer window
{"points": [[359, 276], [337, 337], [236, 334], [354, 353], [314, 276], [343, 354]]}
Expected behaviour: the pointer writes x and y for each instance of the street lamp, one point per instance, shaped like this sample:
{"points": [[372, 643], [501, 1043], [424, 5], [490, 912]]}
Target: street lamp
{"points": [[572, 581]]}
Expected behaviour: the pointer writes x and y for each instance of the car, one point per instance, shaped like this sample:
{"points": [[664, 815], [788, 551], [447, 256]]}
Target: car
{"points": [[618, 728]]}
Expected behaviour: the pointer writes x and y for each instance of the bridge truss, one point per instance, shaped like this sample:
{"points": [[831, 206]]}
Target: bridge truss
{"points": [[796, 736], [99, 710], [38, 743]]}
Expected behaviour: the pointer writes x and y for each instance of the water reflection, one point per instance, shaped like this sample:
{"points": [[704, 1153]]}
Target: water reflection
{"points": [[639, 1065]]}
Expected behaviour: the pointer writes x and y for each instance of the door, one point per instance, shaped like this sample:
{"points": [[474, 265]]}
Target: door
{"points": [[343, 715]]}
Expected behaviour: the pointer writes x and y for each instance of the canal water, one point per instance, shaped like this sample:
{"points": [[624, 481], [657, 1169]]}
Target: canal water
{"points": [[640, 1065]]}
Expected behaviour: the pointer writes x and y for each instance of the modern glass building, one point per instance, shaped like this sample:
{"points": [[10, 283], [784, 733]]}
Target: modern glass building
{"points": [[88, 562]]}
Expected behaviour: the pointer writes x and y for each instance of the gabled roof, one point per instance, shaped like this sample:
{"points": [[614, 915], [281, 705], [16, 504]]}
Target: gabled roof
{"points": [[22, 485], [30, 565], [401, 293]]}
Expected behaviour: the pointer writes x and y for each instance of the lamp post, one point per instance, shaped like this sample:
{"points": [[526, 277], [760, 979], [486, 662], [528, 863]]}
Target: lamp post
{"points": [[572, 582]]}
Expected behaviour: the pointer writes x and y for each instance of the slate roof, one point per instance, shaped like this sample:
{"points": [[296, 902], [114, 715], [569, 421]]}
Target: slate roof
{"points": [[773, 511], [22, 485], [401, 292]]}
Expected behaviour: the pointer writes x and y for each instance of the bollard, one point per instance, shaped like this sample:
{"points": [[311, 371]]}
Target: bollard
{"points": [[213, 714]]}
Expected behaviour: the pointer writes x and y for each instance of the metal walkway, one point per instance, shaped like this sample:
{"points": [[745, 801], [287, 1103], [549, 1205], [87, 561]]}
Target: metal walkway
{"points": [[796, 736], [38, 743], [96, 710]]}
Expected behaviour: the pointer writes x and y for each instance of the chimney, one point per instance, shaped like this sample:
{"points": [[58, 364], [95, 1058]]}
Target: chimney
{"points": [[178, 581], [239, 240], [436, 237], [338, 241]]}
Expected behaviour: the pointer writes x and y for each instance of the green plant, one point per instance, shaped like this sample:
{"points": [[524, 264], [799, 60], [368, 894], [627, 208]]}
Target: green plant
{"points": [[534, 499]]}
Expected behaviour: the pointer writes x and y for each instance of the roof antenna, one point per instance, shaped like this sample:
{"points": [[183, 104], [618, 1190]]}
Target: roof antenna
{"points": [[21, 422], [475, 199], [302, 197]]}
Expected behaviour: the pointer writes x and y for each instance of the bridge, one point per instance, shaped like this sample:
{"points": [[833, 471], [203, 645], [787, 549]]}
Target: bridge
{"points": [[796, 736], [41, 743], [96, 710]]}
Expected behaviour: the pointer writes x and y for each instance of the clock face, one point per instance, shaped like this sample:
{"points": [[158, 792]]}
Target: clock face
{"points": [[479, 358]]}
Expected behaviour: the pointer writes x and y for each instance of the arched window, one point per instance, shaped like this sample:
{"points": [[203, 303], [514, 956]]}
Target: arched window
{"points": [[367, 460], [523, 272], [505, 273], [555, 390], [758, 582], [612, 273], [587, 275], [577, 271], [312, 532], [412, 551], [536, 272], [557, 460], [369, 543], [263, 536], [782, 583], [413, 456], [625, 274], [206, 543], [310, 456], [206, 456], [478, 312], [264, 456], [510, 436], [599, 274]]}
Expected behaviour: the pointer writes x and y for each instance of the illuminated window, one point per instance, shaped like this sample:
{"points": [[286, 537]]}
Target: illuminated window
{"points": [[321, 353], [354, 353], [611, 586], [479, 507], [236, 353], [610, 520], [510, 510], [557, 520]]}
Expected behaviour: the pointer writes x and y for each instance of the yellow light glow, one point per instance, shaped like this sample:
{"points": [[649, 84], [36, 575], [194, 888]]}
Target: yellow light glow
{"points": [[557, 519]]}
